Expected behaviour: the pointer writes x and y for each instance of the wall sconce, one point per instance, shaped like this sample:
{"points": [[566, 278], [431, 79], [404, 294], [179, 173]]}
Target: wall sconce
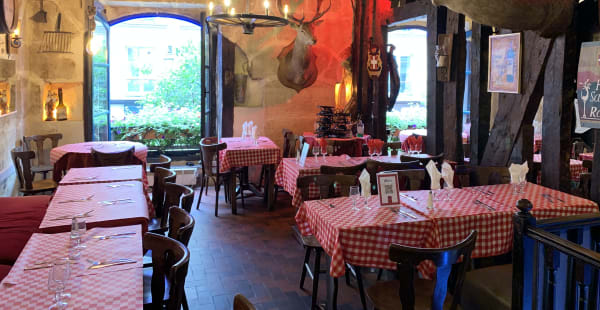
{"points": [[15, 37]]}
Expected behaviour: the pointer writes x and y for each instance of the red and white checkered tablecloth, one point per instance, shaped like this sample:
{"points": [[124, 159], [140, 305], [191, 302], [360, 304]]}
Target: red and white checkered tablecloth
{"points": [[102, 175], [586, 156], [104, 215], [141, 151], [537, 143], [576, 167], [243, 152], [451, 222], [115, 287], [289, 171]]}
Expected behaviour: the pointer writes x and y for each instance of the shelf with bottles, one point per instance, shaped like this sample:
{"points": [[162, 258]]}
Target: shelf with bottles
{"points": [[59, 101]]}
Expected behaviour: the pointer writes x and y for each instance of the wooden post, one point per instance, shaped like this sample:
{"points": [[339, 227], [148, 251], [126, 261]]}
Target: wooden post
{"points": [[523, 148], [454, 89], [436, 23], [228, 66], [595, 191], [481, 99], [522, 260], [559, 92]]}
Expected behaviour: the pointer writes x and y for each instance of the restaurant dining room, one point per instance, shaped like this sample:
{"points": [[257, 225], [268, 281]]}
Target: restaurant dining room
{"points": [[299, 154]]}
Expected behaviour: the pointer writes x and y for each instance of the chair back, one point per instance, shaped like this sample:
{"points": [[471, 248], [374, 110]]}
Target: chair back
{"points": [[289, 145], [22, 161], [491, 176], [176, 195], [181, 225], [438, 159], [410, 179], [351, 170], [374, 166], [408, 258], [328, 185], [210, 155], [242, 303], [341, 147], [163, 162], [161, 176], [170, 260], [42, 155], [578, 148], [467, 150], [586, 163], [114, 159], [395, 146]]}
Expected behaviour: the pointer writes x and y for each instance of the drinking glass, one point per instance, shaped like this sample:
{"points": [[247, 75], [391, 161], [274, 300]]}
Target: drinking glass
{"points": [[57, 281], [315, 151], [324, 151], [371, 152], [354, 194]]}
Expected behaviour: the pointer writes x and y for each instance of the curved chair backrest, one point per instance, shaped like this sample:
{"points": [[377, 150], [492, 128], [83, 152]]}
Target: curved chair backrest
{"points": [[438, 159], [22, 161], [161, 176], [351, 170], [170, 260], [289, 144], [395, 146], [181, 225], [242, 303], [578, 148], [114, 159], [164, 161], [408, 258], [341, 147], [210, 155], [43, 157], [176, 195], [373, 167], [327, 185], [410, 179]]}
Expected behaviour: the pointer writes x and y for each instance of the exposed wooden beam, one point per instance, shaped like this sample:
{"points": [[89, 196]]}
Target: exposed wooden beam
{"points": [[436, 23], [412, 10], [514, 109]]}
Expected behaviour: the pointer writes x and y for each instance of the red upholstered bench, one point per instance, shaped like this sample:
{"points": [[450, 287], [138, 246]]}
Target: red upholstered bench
{"points": [[4, 269], [19, 218]]}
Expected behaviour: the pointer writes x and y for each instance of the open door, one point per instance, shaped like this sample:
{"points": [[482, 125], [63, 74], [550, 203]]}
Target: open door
{"points": [[100, 110]]}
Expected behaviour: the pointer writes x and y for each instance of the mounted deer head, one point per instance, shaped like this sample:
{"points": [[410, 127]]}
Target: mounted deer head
{"points": [[297, 62]]}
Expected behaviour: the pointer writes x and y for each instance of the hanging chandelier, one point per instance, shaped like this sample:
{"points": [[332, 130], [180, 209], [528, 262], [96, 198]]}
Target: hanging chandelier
{"points": [[247, 20]]}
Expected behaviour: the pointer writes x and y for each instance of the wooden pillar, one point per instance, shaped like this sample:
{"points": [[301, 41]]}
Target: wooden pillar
{"points": [[523, 148], [481, 99], [454, 89], [228, 64], [211, 117], [436, 23], [559, 93], [595, 190]]}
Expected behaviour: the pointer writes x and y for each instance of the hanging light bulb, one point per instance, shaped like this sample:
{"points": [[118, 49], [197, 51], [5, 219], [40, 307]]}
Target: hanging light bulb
{"points": [[266, 4], [227, 3], [232, 11], [93, 45], [211, 6], [285, 11]]}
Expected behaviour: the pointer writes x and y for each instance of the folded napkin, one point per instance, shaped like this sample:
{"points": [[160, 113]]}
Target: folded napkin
{"points": [[365, 183], [434, 174], [518, 173], [448, 174]]}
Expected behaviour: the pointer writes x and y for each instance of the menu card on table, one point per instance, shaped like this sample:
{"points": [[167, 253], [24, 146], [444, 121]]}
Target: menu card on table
{"points": [[305, 149], [387, 185]]}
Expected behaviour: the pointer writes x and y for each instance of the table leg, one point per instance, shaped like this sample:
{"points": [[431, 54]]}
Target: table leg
{"points": [[232, 194], [270, 186], [332, 288]]}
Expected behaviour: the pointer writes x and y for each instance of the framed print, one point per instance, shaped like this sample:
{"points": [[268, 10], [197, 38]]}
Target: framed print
{"points": [[387, 185], [504, 63], [587, 106]]}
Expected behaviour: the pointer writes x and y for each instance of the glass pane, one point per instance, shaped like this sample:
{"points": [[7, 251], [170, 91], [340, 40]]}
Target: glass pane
{"points": [[100, 97]]}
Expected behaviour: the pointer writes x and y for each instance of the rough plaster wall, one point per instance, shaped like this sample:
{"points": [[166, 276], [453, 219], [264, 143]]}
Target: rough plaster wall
{"points": [[10, 124]]}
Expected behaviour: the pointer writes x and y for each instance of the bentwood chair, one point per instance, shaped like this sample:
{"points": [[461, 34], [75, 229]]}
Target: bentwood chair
{"points": [[176, 195], [374, 167], [161, 176], [242, 303], [289, 151], [43, 165], [578, 148], [163, 162], [327, 185], [341, 147], [164, 283], [394, 146], [409, 293], [211, 164], [351, 170], [411, 179], [27, 185], [114, 159]]}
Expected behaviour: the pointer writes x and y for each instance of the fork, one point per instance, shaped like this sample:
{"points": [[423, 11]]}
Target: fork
{"points": [[119, 185], [121, 235], [113, 262], [116, 201], [479, 202], [80, 215], [77, 200]]}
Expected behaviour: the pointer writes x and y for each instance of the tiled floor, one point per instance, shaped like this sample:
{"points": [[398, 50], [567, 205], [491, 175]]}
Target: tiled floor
{"points": [[252, 253]]}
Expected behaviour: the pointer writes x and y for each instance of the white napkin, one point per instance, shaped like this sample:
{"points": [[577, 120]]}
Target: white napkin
{"points": [[250, 125], [245, 130], [254, 129], [434, 175], [448, 174], [518, 173], [365, 183]]}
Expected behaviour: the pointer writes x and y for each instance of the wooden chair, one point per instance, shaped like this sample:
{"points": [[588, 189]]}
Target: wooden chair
{"points": [[578, 148], [114, 159], [211, 169], [373, 167], [585, 185], [351, 170], [438, 159], [395, 146], [176, 195], [163, 162], [27, 186], [289, 144], [467, 150], [164, 283], [242, 303], [408, 293], [586, 163], [43, 165], [341, 147], [411, 179], [161, 176], [491, 175], [327, 185]]}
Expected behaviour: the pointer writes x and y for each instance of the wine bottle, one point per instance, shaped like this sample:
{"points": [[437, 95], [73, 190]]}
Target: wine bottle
{"points": [[61, 109]]}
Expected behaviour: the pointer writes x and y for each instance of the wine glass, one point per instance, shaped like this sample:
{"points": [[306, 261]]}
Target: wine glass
{"points": [[324, 151], [371, 152], [354, 194], [315, 151], [57, 281]]}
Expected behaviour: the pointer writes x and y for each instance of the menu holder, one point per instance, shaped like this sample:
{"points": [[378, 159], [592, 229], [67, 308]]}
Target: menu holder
{"points": [[305, 149], [389, 192]]}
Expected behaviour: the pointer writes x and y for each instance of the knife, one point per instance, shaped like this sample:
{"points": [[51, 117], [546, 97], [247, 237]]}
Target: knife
{"points": [[112, 263], [113, 235], [408, 197]]}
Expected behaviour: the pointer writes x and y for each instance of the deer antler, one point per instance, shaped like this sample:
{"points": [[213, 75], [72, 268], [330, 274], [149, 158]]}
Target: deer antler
{"points": [[319, 14], [290, 16]]}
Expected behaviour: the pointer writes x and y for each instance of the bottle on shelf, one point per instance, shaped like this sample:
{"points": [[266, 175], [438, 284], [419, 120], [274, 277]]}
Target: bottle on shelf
{"points": [[360, 128], [61, 109]]}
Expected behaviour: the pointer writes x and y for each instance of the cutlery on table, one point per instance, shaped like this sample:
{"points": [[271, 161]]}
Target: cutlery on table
{"points": [[108, 263], [125, 167], [406, 214], [85, 178], [408, 197], [552, 198], [479, 202], [78, 200], [117, 201], [118, 185], [67, 217], [485, 192], [37, 266], [325, 205], [102, 237]]}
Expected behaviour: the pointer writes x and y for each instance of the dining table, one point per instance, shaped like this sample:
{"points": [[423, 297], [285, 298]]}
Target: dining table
{"points": [[586, 156], [99, 204], [362, 237], [104, 174], [575, 166], [244, 152], [311, 139], [79, 155], [110, 287]]}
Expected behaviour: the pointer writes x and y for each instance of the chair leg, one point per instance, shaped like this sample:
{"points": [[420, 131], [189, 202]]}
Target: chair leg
{"points": [[306, 259], [335, 292], [217, 187], [242, 193], [379, 274], [361, 288], [316, 272], [347, 276], [184, 302], [202, 184], [262, 176]]}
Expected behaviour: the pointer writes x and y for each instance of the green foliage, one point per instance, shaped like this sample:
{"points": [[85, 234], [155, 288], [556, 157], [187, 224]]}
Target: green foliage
{"points": [[413, 115]]}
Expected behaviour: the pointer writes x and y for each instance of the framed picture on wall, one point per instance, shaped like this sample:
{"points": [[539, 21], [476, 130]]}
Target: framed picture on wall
{"points": [[3, 46], [504, 63]]}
